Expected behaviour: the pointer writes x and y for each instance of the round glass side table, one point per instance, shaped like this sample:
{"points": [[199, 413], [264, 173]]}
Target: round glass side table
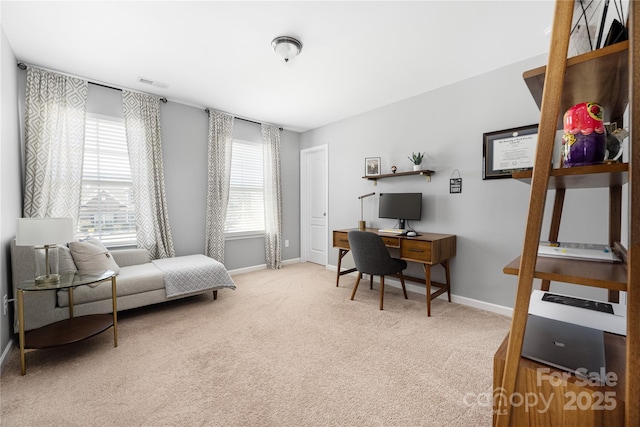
{"points": [[68, 330]]}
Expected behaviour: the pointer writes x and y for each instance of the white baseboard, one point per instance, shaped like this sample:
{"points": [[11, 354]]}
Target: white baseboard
{"points": [[5, 355], [261, 267], [482, 305]]}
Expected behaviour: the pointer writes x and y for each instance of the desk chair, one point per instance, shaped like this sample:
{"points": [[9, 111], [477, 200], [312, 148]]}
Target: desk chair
{"points": [[372, 257]]}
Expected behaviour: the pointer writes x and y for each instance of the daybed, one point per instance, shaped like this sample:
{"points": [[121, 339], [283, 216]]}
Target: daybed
{"points": [[139, 281]]}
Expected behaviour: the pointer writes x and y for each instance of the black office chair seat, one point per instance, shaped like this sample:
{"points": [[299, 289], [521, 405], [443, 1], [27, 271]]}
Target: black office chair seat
{"points": [[372, 257]]}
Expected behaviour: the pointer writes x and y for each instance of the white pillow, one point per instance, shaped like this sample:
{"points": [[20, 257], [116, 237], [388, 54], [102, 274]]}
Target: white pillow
{"points": [[91, 256]]}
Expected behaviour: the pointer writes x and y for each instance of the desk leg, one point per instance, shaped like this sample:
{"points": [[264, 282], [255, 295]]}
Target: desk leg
{"points": [[23, 361], [115, 311], [427, 281], [448, 278], [341, 254]]}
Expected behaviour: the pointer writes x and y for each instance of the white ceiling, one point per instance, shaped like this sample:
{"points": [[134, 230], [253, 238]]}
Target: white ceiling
{"points": [[356, 56]]}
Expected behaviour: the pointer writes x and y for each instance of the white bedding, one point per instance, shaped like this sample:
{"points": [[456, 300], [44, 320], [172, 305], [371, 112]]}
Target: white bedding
{"points": [[193, 273]]}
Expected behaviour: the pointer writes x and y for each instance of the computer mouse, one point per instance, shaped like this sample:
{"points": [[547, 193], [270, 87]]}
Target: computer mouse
{"points": [[411, 233]]}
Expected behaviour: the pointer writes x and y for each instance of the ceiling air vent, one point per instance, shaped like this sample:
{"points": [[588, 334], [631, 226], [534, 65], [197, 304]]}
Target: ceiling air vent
{"points": [[152, 82]]}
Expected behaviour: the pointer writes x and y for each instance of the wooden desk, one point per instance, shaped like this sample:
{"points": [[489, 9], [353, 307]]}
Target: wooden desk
{"points": [[428, 249]]}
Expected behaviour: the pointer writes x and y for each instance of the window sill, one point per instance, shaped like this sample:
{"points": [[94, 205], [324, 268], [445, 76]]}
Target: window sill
{"points": [[244, 235]]}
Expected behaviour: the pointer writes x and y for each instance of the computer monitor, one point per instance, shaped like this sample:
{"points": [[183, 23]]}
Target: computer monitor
{"points": [[400, 206]]}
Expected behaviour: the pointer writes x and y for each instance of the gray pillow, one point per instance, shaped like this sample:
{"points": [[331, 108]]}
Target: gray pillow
{"points": [[90, 256], [65, 260]]}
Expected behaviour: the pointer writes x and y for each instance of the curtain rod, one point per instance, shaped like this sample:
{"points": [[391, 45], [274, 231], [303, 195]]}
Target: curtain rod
{"points": [[23, 67], [245, 120]]}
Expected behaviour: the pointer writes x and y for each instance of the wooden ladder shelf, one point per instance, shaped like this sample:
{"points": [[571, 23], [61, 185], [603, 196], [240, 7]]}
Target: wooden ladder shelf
{"points": [[556, 88]]}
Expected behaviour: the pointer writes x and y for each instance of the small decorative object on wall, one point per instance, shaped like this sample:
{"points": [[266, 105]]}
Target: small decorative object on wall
{"points": [[584, 141], [416, 159], [507, 151], [393, 169], [455, 184], [371, 166]]}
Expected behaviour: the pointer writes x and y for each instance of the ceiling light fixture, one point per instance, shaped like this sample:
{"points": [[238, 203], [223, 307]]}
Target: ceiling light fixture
{"points": [[286, 47]]}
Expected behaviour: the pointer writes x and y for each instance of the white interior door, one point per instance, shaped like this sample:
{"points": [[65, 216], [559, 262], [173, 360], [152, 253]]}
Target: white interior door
{"points": [[314, 204]]}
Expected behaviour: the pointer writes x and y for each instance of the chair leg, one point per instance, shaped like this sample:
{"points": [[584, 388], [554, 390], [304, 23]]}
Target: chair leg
{"points": [[355, 287], [381, 291], [404, 289], [371, 281]]}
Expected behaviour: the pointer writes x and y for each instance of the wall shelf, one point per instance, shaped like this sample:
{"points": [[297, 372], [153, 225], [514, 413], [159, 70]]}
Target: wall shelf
{"points": [[424, 172]]}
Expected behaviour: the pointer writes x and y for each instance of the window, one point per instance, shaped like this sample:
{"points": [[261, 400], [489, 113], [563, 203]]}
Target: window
{"points": [[245, 211], [107, 210]]}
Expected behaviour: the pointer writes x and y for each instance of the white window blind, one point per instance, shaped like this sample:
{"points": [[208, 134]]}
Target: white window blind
{"points": [[245, 211], [107, 210]]}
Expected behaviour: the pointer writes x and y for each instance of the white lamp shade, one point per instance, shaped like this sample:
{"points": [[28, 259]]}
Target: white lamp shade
{"points": [[44, 231]]}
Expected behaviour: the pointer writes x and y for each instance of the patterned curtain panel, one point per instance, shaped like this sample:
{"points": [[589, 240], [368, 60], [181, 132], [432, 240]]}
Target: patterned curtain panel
{"points": [[54, 144], [272, 197], [142, 122], [220, 139]]}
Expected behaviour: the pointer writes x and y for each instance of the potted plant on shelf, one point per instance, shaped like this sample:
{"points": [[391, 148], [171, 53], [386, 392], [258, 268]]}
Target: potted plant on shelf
{"points": [[416, 159]]}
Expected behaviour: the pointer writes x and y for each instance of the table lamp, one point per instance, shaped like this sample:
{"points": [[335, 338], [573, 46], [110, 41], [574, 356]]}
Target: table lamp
{"points": [[362, 224], [45, 233]]}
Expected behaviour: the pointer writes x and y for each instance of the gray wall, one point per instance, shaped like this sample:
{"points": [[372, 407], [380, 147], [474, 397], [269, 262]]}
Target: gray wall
{"points": [[10, 176], [489, 216], [184, 150], [184, 137]]}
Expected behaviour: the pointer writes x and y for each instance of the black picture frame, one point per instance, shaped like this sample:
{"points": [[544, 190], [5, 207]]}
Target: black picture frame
{"points": [[372, 166], [507, 151]]}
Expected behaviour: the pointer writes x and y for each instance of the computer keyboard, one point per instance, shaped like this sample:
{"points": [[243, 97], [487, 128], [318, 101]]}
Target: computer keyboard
{"points": [[578, 302], [390, 230]]}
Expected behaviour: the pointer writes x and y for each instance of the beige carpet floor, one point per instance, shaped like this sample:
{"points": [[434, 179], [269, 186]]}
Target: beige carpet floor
{"points": [[286, 348]]}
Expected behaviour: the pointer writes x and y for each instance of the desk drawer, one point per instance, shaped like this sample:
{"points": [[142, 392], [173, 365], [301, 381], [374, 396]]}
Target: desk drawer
{"points": [[391, 242], [341, 240], [419, 250]]}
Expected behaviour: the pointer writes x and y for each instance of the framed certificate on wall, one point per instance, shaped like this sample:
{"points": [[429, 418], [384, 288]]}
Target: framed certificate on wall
{"points": [[507, 151]]}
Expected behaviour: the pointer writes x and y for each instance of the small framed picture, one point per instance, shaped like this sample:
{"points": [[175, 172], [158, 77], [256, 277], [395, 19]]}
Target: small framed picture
{"points": [[371, 166], [507, 151]]}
